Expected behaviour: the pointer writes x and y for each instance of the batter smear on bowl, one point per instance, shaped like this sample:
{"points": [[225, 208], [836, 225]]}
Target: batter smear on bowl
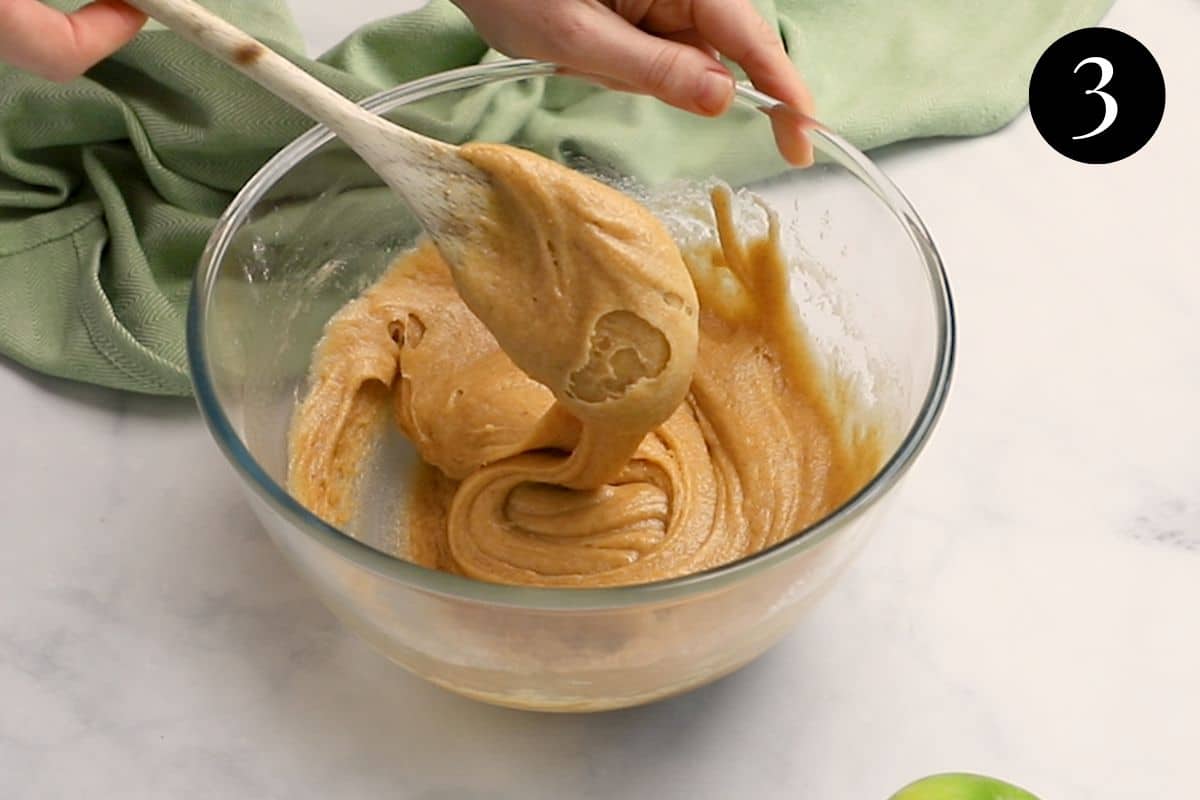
{"points": [[592, 406]]}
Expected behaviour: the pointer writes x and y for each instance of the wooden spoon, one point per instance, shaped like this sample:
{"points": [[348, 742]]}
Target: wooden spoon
{"points": [[444, 190]]}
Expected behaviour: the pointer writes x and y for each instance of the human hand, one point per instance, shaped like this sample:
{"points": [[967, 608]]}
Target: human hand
{"points": [[60, 46], [667, 48]]}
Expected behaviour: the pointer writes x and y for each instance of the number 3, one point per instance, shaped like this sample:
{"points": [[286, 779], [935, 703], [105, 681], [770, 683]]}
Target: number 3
{"points": [[1110, 103]]}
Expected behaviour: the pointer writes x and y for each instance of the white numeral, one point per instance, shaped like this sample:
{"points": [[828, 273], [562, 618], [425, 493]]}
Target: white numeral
{"points": [[1110, 103]]}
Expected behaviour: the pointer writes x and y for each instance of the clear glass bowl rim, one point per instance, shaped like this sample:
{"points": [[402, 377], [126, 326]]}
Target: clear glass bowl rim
{"points": [[535, 598]]}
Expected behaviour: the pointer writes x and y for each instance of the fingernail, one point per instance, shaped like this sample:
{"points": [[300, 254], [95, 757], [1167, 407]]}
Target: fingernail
{"points": [[716, 90]]}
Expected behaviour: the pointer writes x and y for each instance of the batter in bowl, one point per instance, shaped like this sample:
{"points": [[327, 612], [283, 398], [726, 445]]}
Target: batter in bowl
{"points": [[592, 406]]}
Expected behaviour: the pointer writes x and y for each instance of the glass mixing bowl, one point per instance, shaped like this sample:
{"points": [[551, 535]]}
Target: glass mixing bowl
{"points": [[314, 227]]}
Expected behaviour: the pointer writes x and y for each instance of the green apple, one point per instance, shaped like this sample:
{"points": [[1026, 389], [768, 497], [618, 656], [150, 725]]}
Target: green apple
{"points": [[961, 786]]}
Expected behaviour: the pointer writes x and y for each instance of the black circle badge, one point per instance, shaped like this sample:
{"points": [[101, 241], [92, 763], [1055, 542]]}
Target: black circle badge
{"points": [[1097, 95]]}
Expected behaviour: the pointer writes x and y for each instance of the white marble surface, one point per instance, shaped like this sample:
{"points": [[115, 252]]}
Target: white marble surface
{"points": [[1032, 611]]}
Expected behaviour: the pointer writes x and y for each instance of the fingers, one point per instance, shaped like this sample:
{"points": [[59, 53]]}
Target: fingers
{"points": [[600, 42], [677, 64], [790, 136], [736, 29], [693, 38], [101, 28], [59, 46]]}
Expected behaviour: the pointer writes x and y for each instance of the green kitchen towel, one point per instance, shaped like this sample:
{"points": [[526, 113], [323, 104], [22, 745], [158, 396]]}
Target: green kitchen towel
{"points": [[109, 185]]}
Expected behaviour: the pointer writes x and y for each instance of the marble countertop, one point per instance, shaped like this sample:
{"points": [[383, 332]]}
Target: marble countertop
{"points": [[1032, 609]]}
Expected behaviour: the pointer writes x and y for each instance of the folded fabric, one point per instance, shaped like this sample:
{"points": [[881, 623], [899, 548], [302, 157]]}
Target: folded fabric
{"points": [[110, 185]]}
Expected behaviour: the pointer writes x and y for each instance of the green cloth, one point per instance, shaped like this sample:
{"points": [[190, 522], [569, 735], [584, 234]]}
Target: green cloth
{"points": [[109, 186]]}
